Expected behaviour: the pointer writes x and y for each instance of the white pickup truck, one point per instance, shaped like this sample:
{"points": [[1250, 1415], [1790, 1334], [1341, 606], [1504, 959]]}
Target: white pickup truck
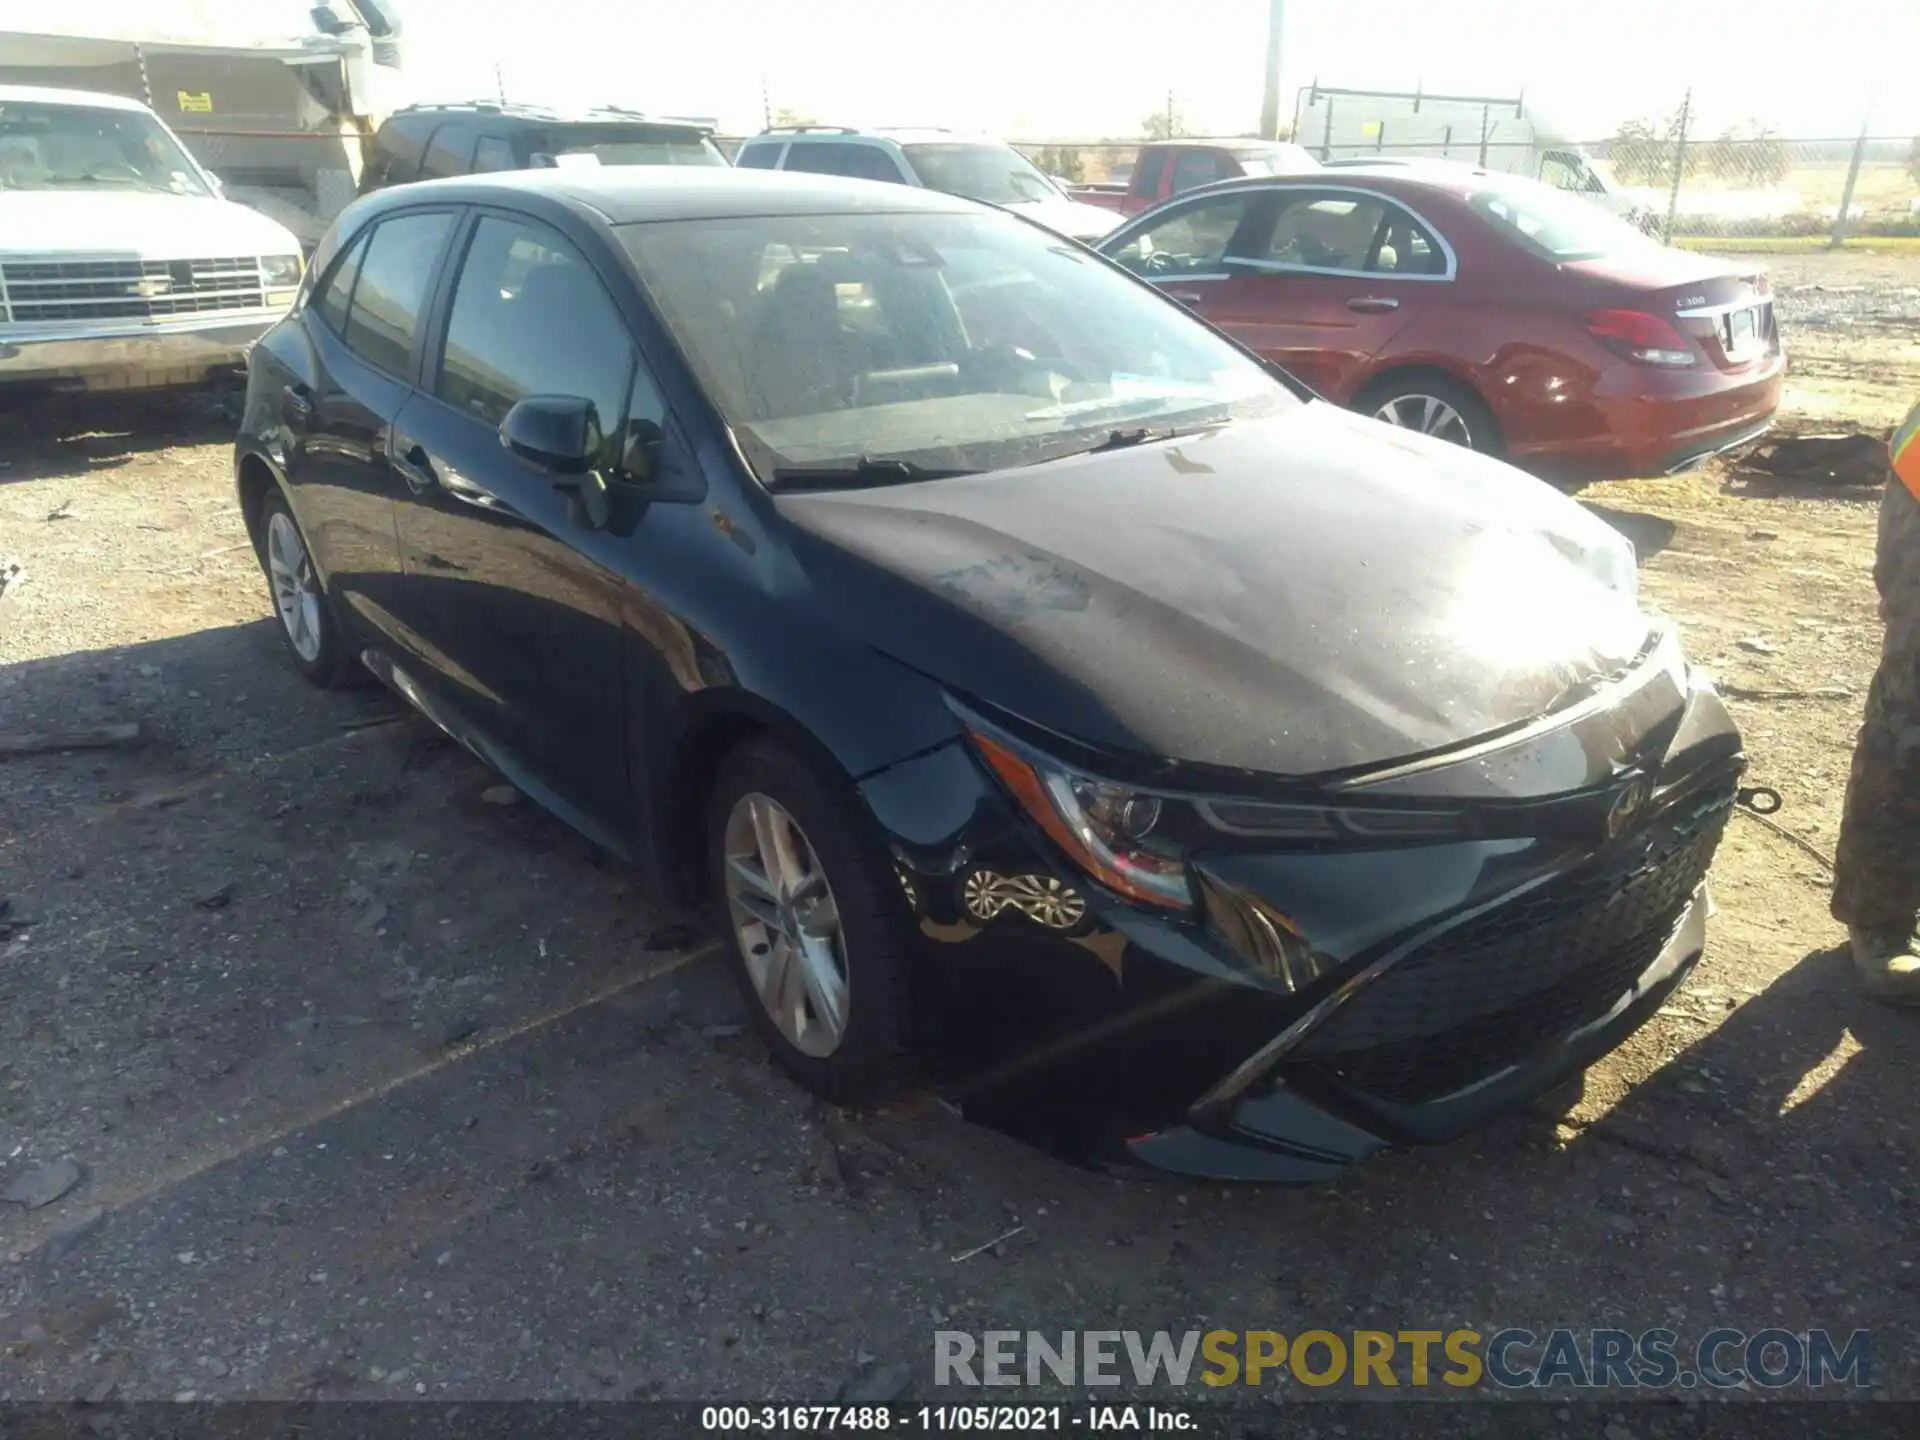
{"points": [[121, 265]]}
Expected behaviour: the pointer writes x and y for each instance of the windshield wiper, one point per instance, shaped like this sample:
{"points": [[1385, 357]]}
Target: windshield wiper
{"points": [[1127, 439], [867, 470]]}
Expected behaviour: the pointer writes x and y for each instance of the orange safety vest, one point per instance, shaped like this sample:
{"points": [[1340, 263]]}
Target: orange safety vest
{"points": [[1906, 451]]}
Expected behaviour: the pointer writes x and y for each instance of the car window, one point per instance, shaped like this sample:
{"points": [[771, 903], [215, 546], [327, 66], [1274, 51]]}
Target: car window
{"points": [[530, 317], [1201, 167], [384, 171], [1554, 224], [337, 294], [1407, 247], [994, 174], [970, 340], [1191, 241], [829, 157], [1147, 170], [392, 288], [869, 162], [758, 157], [492, 153], [1319, 231], [620, 143], [447, 151], [77, 147]]}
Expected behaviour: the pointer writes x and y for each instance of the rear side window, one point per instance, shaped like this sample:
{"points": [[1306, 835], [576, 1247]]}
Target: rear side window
{"points": [[332, 301], [1328, 231], [392, 288], [492, 153], [391, 155], [1556, 225], [447, 152], [530, 317], [758, 157]]}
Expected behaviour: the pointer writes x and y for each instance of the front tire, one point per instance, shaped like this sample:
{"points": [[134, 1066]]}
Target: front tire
{"points": [[810, 913], [1434, 405], [300, 601]]}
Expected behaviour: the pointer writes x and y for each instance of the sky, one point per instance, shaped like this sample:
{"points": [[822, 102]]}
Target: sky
{"points": [[1086, 69], [1090, 68]]}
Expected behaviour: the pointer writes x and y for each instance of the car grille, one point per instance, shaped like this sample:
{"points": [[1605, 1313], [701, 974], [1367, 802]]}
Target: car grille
{"points": [[1490, 993], [129, 289]]}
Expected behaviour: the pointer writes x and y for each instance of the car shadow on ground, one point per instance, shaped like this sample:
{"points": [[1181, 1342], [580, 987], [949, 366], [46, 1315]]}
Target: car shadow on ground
{"points": [[1757, 485], [51, 435], [332, 1028], [1650, 534]]}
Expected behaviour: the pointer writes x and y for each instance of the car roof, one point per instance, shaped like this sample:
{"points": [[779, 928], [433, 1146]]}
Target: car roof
{"points": [[46, 95], [628, 195], [1404, 181], [899, 134], [515, 113]]}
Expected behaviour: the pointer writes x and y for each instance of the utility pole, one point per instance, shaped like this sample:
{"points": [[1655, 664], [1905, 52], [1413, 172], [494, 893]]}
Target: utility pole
{"points": [[766, 104], [1679, 166], [500, 83], [1169, 114], [1270, 97], [1839, 236]]}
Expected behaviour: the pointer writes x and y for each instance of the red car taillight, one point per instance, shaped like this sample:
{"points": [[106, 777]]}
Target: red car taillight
{"points": [[1639, 336]]}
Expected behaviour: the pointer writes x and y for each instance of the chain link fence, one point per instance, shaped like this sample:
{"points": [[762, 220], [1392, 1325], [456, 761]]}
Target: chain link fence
{"points": [[1745, 190], [1753, 192]]}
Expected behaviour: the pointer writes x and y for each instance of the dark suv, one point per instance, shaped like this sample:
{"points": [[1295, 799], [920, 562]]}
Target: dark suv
{"points": [[438, 142]]}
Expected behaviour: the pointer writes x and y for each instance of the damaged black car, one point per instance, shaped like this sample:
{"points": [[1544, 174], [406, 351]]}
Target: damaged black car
{"points": [[1041, 693]]}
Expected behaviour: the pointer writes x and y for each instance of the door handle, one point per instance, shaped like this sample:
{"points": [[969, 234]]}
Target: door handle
{"points": [[1186, 297], [1372, 304], [298, 400], [411, 464]]}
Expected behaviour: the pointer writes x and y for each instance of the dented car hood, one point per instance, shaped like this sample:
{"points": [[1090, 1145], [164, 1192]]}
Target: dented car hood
{"points": [[1309, 594]]}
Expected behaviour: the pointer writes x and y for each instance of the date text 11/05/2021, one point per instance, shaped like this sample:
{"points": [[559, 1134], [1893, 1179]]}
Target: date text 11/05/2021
{"points": [[936, 1419]]}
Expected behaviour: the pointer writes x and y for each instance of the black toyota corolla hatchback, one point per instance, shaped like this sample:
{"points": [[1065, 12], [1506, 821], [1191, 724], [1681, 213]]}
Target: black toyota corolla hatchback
{"points": [[1017, 669]]}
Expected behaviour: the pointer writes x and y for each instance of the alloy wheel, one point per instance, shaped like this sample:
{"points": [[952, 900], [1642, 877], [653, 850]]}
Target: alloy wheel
{"points": [[788, 924], [296, 592], [1428, 414]]}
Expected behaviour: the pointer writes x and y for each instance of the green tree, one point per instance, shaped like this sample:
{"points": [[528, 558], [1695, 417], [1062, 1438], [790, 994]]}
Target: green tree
{"points": [[789, 117], [1913, 160], [1641, 151], [1749, 154], [1163, 125]]}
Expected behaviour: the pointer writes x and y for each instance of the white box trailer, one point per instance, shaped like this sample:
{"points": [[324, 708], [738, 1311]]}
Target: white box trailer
{"points": [[1504, 133]]}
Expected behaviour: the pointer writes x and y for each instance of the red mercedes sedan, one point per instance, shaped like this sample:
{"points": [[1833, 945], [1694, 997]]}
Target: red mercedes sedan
{"points": [[1485, 308]]}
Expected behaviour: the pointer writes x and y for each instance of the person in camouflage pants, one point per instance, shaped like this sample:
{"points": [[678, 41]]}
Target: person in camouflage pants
{"points": [[1876, 892]]}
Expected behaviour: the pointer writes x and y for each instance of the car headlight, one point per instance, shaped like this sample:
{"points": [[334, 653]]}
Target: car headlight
{"points": [[280, 272], [1137, 842]]}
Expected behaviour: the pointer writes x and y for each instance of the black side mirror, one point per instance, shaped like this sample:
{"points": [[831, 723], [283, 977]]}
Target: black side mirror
{"points": [[560, 433]]}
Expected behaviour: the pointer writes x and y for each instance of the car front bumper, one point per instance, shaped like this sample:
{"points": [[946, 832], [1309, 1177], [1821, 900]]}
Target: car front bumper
{"points": [[132, 356], [1285, 1132], [1451, 982]]}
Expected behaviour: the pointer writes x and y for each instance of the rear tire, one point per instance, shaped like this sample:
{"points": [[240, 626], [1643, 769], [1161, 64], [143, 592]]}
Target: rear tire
{"points": [[300, 602], [810, 912], [1435, 405]]}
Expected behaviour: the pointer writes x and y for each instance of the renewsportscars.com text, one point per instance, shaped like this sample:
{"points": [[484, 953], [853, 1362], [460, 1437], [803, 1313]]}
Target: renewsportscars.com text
{"points": [[1509, 1359]]}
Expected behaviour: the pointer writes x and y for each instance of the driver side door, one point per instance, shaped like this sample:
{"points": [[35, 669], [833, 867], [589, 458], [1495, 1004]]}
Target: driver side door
{"points": [[515, 604]]}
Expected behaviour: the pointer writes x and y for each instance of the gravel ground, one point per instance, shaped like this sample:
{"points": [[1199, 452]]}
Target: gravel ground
{"points": [[373, 1088]]}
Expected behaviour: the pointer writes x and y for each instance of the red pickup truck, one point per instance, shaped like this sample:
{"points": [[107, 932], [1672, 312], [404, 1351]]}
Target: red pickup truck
{"points": [[1167, 167]]}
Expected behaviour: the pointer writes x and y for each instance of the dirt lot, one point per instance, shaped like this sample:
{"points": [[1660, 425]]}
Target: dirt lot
{"points": [[377, 1089]]}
